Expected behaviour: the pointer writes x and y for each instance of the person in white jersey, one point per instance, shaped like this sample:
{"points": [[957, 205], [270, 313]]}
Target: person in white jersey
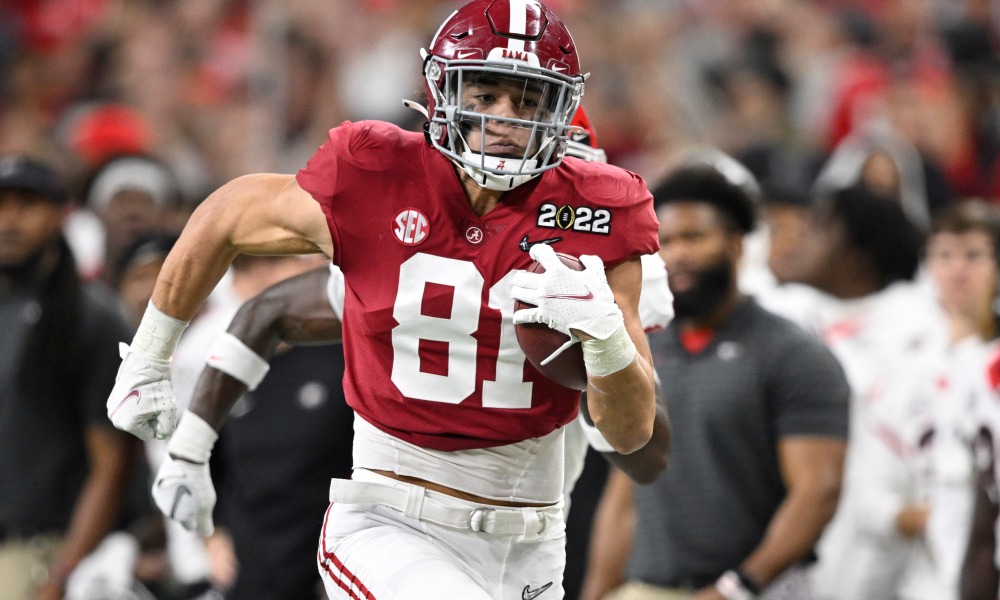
{"points": [[860, 253]]}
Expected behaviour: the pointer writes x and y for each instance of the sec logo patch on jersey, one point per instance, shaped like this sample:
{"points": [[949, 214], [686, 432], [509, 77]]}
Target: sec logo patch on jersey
{"points": [[410, 226], [566, 217]]}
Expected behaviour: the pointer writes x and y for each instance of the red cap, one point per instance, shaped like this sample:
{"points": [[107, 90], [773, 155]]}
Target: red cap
{"points": [[108, 131]]}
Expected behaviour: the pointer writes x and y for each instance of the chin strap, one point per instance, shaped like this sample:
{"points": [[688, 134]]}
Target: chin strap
{"points": [[497, 181], [420, 108]]}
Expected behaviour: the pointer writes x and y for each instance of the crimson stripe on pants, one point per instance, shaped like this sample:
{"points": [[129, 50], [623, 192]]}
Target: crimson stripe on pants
{"points": [[343, 570]]}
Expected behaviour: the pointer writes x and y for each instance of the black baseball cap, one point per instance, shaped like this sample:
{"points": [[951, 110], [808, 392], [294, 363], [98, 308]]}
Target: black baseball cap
{"points": [[30, 175], [704, 182]]}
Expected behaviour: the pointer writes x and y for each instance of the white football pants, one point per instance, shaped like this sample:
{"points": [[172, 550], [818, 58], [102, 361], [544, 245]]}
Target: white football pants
{"points": [[449, 549]]}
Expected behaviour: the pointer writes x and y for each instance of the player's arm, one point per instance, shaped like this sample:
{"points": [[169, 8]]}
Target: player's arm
{"points": [[647, 463], [255, 214], [610, 538], [980, 577], [109, 454], [600, 308], [811, 468], [622, 404], [881, 488], [294, 311]]}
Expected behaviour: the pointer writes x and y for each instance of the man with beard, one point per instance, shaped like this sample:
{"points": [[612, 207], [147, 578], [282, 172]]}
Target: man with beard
{"points": [[759, 416], [63, 467]]}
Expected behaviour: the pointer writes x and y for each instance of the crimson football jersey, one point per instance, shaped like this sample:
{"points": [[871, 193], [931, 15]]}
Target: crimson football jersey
{"points": [[428, 334]]}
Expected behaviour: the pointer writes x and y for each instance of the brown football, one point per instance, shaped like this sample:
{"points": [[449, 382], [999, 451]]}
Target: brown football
{"points": [[538, 342]]}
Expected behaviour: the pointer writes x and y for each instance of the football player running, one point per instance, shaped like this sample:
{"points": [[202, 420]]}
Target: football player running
{"points": [[307, 310], [458, 448]]}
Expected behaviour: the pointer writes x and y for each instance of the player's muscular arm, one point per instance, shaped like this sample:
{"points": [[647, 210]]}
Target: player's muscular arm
{"points": [[610, 538], [647, 463], [980, 578], [295, 311], [811, 467], [97, 507], [254, 214], [622, 404]]}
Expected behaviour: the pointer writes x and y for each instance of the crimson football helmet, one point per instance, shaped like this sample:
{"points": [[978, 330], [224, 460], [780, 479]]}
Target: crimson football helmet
{"points": [[524, 47], [582, 141]]}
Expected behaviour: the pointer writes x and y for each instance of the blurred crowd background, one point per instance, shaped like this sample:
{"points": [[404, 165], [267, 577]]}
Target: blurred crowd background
{"points": [[220, 88]]}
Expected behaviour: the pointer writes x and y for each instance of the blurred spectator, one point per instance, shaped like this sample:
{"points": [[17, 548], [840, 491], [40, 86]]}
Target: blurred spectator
{"points": [[877, 157], [920, 466], [859, 253], [755, 90], [308, 109], [786, 175], [962, 260], [754, 242], [91, 133], [52, 66], [897, 68], [137, 269], [102, 132], [785, 213], [376, 62], [64, 467], [759, 414], [980, 573], [970, 33], [209, 77], [132, 196]]}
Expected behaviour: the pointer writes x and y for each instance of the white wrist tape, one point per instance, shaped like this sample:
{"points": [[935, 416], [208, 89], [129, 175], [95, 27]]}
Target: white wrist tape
{"points": [[604, 357], [157, 335], [231, 356], [594, 436], [731, 588], [193, 439]]}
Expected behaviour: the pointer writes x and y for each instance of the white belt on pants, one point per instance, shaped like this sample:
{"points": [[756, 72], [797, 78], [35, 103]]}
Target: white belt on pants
{"points": [[419, 503]]}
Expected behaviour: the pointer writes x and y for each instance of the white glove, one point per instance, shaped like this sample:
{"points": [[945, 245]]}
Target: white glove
{"points": [[656, 301], [567, 300], [142, 400], [183, 487], [184, 492], [107, 572]]}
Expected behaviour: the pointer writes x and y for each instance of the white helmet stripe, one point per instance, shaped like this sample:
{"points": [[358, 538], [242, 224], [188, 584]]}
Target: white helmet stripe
{"points": [[518, 23], [438, 32]]}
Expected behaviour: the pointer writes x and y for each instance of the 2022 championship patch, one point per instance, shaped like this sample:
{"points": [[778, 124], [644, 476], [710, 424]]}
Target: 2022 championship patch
{"points": [[577, 218]]}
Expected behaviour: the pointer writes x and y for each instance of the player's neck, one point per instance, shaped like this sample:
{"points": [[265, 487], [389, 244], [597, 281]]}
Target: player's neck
{"points": [[480, 199]]}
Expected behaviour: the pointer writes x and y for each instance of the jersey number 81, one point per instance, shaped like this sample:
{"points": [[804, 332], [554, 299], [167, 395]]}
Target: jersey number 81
{"points": [[508, 389]]}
